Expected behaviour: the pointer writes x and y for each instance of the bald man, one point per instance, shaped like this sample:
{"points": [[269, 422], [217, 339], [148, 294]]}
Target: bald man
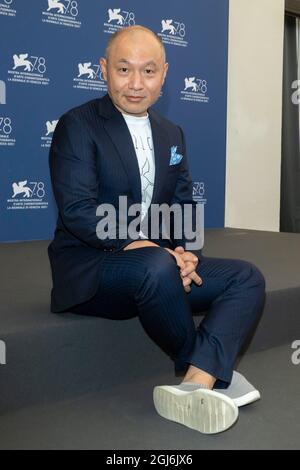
{"points": [[119, 146]]}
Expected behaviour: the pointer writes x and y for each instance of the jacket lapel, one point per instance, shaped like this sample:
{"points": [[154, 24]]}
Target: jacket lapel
{"points": [[162, 154], [119, 134]]}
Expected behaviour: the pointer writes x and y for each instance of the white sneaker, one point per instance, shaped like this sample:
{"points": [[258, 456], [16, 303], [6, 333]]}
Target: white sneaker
{"points": [[205, 410], [240, 390]]}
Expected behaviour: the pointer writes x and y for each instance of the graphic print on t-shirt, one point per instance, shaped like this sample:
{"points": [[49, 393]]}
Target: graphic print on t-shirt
{"points": [[143, 146], [141, 134]]}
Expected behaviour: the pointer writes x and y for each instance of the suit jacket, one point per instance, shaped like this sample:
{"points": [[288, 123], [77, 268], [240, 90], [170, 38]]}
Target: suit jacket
{"points": [[92, 161]]}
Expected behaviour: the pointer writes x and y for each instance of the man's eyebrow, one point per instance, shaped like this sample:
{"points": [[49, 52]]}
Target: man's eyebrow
{"points": [[125, 61], [151, 62]]}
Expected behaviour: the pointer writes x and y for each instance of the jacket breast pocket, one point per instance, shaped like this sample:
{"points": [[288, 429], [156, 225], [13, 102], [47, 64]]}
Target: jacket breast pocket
{"points": [[172, 176], [174, 168]]}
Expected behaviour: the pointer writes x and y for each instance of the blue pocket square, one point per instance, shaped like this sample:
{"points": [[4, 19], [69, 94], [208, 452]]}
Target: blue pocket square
{"points": [[175, 157]]}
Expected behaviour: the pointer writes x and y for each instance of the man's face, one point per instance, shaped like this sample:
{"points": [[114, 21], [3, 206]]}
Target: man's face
{"points": [[135, 72]]}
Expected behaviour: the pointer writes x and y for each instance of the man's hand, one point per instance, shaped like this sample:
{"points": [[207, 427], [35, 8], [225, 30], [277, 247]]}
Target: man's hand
{"points": [[187, 262], [191, 262], [139, 244]]}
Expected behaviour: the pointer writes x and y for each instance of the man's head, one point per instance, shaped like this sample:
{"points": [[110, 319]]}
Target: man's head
{"points": [[135, 69]]}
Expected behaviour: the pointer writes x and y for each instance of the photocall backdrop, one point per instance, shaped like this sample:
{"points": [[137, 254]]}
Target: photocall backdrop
{"points": [[49, 63]]}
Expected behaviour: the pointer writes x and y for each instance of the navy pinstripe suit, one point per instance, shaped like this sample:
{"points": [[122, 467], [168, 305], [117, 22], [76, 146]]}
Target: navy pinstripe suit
{"points": [[93, 161]]}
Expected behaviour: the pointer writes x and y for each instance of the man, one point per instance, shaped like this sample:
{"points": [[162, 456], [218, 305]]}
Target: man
{"points": [[118, 145]]}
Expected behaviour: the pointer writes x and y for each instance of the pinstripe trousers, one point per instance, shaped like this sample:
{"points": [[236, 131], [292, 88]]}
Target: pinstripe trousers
{"points": [[146, 283]]}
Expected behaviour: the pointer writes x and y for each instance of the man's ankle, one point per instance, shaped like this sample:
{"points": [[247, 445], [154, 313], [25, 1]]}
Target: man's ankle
{"points": [[195, 375]]}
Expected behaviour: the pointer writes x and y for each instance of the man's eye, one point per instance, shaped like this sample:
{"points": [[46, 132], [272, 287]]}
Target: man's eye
{"points": [[149, 71], [123, 69]]}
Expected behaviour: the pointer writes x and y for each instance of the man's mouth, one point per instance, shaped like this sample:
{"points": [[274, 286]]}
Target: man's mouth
{"points": [[134, 98]]}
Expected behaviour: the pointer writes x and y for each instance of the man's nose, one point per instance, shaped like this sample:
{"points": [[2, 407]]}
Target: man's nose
{"points": [[136, 81]]}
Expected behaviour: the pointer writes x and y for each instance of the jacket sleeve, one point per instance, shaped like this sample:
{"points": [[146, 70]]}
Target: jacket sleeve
{"points": [[191, 216], [75, 182]]}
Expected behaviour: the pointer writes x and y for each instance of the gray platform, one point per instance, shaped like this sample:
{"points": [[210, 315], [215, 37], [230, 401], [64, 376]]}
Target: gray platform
{"points": [[54, 357], [123, 417]]}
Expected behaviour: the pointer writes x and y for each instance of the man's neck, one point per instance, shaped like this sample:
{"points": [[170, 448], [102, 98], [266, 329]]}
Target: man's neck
{"points": [[133, 115]]}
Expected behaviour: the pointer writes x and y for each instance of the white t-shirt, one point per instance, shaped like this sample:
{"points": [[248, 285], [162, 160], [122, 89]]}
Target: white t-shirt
{"points": [[140, 130]]}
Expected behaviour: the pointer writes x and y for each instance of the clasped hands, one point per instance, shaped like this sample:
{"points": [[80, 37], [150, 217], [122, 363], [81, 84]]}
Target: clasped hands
{"points": [[186, 261]]}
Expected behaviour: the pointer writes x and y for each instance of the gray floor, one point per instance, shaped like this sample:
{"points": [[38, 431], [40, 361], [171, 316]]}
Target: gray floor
{"points": [[73, 382], [124, 417]]}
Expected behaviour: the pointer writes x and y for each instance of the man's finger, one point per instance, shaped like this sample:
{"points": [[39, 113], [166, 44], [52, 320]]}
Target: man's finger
{"points": [[179, 249], [197, 279], [189, 257], [180, 263], [188, 269], [194, 277], [186, 281]]}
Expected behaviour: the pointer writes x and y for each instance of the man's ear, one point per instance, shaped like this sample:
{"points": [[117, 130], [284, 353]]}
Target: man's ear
{"points": [[166, 67], [103, 65]]}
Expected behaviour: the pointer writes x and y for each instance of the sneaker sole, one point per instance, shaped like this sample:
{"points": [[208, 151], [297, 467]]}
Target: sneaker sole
{"points": [[248, 398], [204, 410]]}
